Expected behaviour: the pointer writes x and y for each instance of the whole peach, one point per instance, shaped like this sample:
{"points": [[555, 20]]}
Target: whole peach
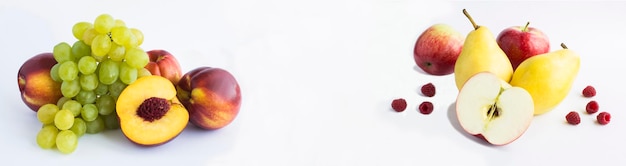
{"points": [[211, 95], [35, 83], [164, 64]]}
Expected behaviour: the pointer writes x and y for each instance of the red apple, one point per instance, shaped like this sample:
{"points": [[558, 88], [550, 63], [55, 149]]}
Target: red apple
{"points": [[211, 95], [164, 64], [35, 83], [437, 49], [520, 43]]}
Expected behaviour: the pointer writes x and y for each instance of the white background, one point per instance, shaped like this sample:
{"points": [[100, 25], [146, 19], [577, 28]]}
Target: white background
{"points": [[318, 77]]}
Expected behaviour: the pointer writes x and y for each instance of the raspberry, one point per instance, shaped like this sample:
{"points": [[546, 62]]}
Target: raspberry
{"points": [[426, 107], [573, 118], [604, 118], [398, 105], [592, 107], [428, 90], [589, 91]]}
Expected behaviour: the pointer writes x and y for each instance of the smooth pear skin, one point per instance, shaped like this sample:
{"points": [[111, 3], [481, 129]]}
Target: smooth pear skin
{"points": [[481, 53], [547, 77]]}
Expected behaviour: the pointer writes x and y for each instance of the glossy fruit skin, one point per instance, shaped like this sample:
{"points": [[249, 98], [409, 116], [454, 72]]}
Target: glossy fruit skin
{"points": [[521, 43], [481, 53], [437, 49], [163, 63], [211, 95], [547, 77], [35, 83]]}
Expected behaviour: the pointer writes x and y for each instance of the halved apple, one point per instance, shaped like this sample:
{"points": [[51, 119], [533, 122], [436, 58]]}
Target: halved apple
{"points": [[491, 109]]}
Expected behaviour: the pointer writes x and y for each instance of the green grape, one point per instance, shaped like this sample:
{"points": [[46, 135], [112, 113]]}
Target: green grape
{"points": [[120, 35], [138, 35], [88, 36], [105, 104], [62, 101], [87, 65], [79, 29], [111, 121], [100, 58], [95, 126], [104, 23], [119, 23], [143, 72], [54, 73], [64, 119], [66, 141], [79, 127], [89, 112], [46, 138], [137, 58], [46, 113], [116, 88], [101, 45], [109, 71], [62, 52], [127, 74], [70, 88], [68, 71], [132, 42], [86, 97], [102, 89], [117, 52], [80, 49], [89, 82], [74, 107]]}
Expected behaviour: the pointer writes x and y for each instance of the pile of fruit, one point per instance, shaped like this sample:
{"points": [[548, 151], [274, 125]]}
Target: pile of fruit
{"points": [[503, 81], [105, 80]]}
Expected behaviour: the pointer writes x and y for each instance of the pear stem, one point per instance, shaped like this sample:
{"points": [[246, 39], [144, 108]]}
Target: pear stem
{"points": [[470, 19], [526, 27], [563, 45]]}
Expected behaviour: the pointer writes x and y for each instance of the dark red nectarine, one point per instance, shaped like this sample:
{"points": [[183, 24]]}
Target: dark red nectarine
{"points": [[211, 95], [35, 83]]}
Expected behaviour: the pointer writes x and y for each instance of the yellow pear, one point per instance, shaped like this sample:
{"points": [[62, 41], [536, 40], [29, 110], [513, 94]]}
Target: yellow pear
{"points": [[481, 53], [547, 77]]}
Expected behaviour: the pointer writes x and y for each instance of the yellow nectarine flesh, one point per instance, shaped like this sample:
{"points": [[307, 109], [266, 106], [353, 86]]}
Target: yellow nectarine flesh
{"points": [[149, 112]]}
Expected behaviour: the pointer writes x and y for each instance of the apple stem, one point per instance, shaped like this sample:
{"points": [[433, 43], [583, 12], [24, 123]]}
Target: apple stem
{"points": [[470, 19], [526, 27], [563, 45]]}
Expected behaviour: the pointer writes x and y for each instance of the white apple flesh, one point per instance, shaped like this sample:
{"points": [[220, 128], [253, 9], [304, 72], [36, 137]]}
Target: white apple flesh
{"points": [[490, 108]]}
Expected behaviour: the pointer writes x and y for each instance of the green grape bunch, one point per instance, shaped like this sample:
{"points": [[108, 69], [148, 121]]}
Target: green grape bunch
{"points": [[93, 70]]}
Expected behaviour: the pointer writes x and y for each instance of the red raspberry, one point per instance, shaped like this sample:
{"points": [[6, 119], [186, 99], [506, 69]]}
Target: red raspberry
{"points": [[573, 118], [398, 105], [426, 107], [592, 107], [589, 91], [428, 90], [604, 118]]}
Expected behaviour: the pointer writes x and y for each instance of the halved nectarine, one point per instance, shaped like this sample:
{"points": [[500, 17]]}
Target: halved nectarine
{"points": [[149, 112]]}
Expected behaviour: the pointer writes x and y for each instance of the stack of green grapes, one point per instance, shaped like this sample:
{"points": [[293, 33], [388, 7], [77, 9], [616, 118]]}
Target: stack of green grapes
{"points": [[93, 71]]}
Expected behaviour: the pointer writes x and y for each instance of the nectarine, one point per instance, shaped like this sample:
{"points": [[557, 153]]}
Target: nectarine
{"points": [[35, 83], [211, 95]]}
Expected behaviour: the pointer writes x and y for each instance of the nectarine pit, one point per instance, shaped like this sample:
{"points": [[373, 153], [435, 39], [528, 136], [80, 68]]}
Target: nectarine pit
{"points": [[153, 109]]}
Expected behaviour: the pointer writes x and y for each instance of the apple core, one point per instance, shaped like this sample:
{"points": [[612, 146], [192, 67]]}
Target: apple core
{"points": [[153, 109]]}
